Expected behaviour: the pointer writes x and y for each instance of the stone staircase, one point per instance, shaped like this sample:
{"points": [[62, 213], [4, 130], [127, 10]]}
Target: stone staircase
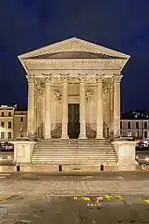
{"points": [[74, 152]]}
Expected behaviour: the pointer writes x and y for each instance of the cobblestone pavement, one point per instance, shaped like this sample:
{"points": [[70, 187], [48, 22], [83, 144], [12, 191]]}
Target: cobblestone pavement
{"points": [[32, 184]]}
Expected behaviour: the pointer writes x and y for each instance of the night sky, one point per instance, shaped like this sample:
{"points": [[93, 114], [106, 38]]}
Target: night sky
{"points": [[122, 25]]}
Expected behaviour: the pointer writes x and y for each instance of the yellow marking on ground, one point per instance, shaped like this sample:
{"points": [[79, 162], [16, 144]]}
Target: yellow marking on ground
{"points": [[147, 201], [82, 198], [85, 198], [110, 197]]}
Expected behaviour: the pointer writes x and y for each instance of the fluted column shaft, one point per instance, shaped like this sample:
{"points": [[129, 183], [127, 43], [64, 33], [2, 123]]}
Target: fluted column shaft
{"points": [[47, 112], [117, 80], [65, 108], [99, 113], [31, 107], [82, 109]]}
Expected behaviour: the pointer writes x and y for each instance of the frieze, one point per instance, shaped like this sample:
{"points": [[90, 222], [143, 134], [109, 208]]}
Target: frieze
{"points": [[74, 63]]}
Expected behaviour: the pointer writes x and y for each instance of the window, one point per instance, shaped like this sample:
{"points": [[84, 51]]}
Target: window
{"points": [[21, 119], [137, 125], [129, 134], [137, 133], [121, 125], [145, 125], [9, 124], [9, 135], [2, 114], [145, 134], [129, 124], [2, 135], [9, 114], [2, 124]]}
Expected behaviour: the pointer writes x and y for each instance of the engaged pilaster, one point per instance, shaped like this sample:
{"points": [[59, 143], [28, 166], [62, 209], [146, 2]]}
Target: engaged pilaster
{"points": [[47, 123], [64, 79], [82, 107], [31, 107], [117, 80], [99, 112]]}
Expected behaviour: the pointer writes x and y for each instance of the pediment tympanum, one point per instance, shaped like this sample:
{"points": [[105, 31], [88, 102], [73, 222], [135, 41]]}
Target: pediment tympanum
{"points": [[73, 45]]}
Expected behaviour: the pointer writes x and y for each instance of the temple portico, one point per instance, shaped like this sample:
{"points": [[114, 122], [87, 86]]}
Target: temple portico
{"points": [[74, 90], [83, 85], [74, 109]]}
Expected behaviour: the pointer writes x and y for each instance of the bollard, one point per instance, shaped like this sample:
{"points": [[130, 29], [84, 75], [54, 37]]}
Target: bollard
{"points": [[60, 168], [18, 168], [143, 167], [102, 168]]}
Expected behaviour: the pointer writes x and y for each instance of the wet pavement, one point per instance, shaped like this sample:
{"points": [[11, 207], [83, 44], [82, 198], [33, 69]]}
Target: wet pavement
{"points": [[106, 198], [75, 210]]}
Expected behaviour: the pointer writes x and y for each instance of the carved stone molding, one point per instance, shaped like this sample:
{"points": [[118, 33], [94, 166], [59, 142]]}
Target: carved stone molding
{"points": [[40, 85], [89, 95], [30, 79], [82, 78], [47, 78], [117, 78], [64, 77], [58, 96], [99, 78]]}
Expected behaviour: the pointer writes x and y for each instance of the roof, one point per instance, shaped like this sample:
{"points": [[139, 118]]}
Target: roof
{"points": [[134, 115], [75, 55]]}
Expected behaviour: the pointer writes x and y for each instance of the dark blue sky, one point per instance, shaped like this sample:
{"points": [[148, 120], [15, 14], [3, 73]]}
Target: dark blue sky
{"points": [[118, 24]]}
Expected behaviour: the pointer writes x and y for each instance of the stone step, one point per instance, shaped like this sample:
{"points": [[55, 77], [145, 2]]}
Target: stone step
{"points": [[73, 152], [73, 156], [75, 163]]}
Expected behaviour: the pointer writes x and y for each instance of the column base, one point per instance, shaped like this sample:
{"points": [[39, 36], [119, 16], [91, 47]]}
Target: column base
{"points": [[47, 137], [82, 137], [64, 137], [99, 137]]}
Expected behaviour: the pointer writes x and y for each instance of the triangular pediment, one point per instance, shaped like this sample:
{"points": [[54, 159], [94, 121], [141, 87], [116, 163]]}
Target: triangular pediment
{"points": [[73, 48]]}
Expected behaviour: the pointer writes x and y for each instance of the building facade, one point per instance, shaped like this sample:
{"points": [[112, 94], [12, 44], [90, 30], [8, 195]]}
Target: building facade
{"points": [[13, 123], [135, 124], [74, 90]]}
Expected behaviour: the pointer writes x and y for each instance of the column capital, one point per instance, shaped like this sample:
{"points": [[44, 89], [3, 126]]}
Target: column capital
{"points": [[30, 78], [64, 77], [82, 78], [117, 78], [48, 79], [99, 78]]}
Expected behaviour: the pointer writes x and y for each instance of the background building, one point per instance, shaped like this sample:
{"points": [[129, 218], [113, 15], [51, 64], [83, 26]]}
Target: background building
{"points": [[13, 122], [135, 124]]}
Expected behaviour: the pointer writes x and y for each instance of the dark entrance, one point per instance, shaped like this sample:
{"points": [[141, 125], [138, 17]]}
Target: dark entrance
{"points": [[73, 121]]}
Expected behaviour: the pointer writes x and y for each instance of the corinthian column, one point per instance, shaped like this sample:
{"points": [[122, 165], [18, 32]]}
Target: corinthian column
{"points": [[47, 120], [82, 108], [31, 105], [117, 79], [99, 112], [64, 79]]}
